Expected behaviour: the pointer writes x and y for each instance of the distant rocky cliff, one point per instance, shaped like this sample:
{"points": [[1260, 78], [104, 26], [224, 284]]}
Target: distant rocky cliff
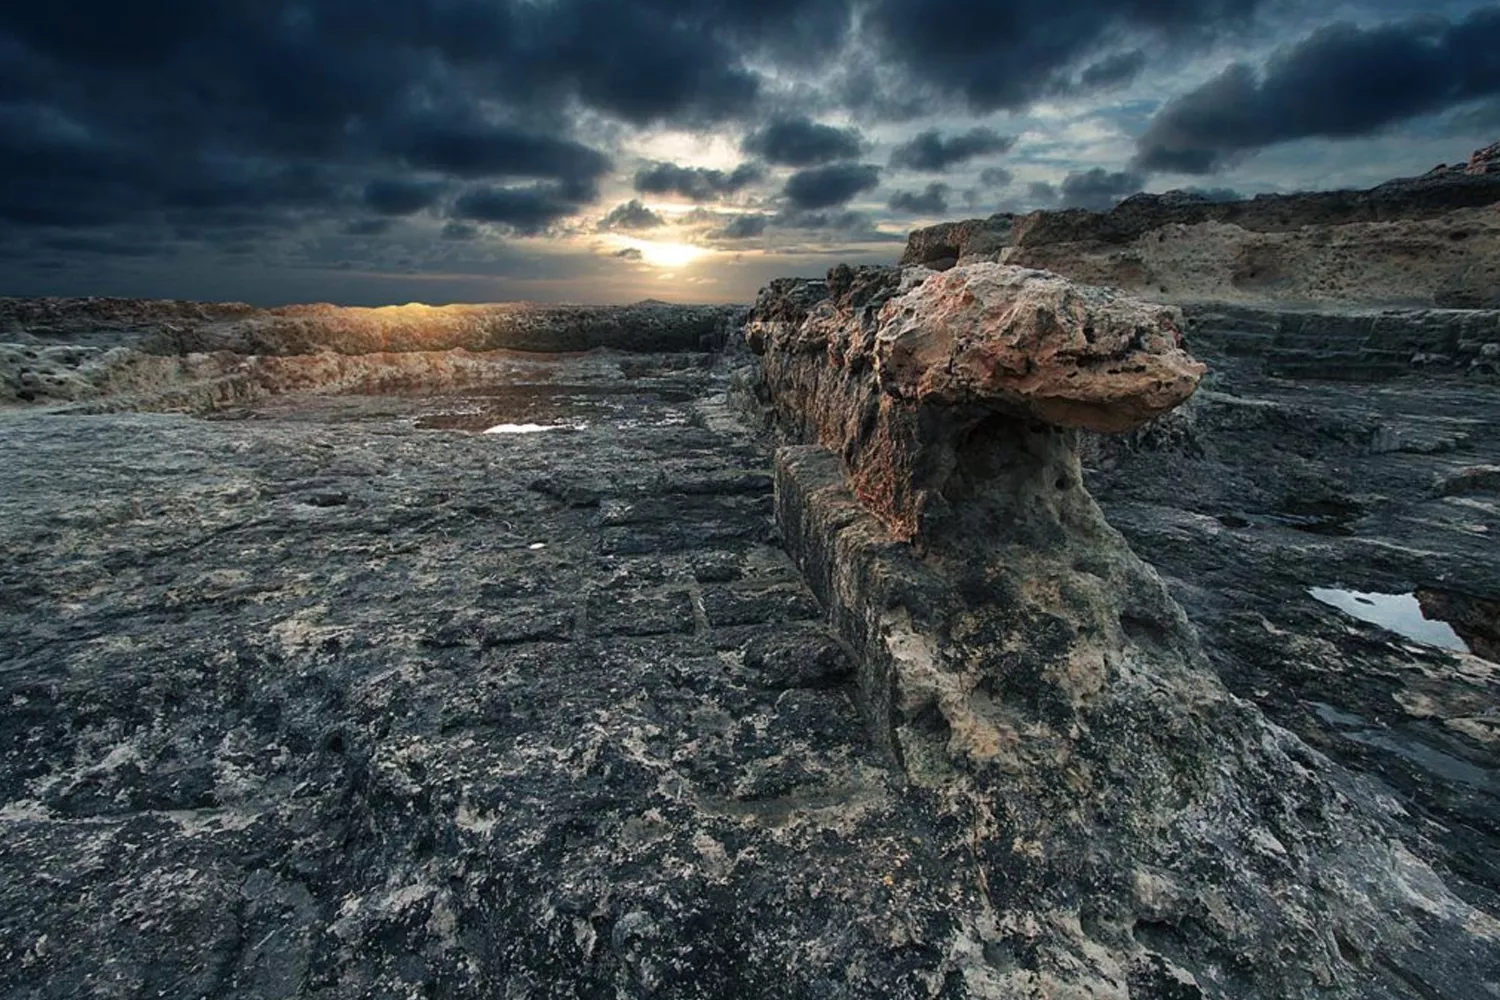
{"points": [[1430, 241]]}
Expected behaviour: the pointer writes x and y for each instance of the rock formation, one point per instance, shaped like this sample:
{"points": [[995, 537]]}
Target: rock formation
{"points": [[960, 347], [1425, 241], [1135, 830]]}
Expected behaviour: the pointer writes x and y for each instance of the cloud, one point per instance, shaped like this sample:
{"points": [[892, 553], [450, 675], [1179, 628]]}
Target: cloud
{"points": [[800, 142], [526, 210], [367, 227], [996, 177], [631, 215], [1340, 81], [698, 184], [929, 151], [475, 149], [743, 227], [1004, 55], [460, 231], [1113, 71], [1099, 189], [825, 187], [1043, 192], [932, 201], [644, 62], [392, 196], [629, 253]]}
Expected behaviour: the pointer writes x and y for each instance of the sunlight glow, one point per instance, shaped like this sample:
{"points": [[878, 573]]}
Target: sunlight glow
{"points": [[667, 256]]}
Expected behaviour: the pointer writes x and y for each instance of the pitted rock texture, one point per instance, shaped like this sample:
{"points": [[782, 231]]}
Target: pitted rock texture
{"points": [[1430, 241], [322, 703], [1152, 834], [893, 368], [1034, 345]]}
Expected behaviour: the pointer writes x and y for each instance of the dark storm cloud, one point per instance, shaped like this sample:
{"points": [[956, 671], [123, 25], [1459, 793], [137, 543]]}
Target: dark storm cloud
{"points": [[1340, 81], [631, 215], [642, 62], [270, 115], [476, 149], [1098, 188], [801, 142], [526, 210], [1043, 192], [393, 196], [824, 187], [932, 201], [929, 151], [455, 230], [743, 227], [1008, 53], [698, 184], [996, 177], [1113, 71], [367, 227]]}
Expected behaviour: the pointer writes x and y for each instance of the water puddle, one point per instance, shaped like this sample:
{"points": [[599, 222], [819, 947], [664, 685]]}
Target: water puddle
{"points": [[1400, 613], [536, 407]]}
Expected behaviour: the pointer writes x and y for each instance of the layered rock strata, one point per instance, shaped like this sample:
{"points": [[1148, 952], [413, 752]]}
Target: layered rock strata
{"points": [[1135, 830]]}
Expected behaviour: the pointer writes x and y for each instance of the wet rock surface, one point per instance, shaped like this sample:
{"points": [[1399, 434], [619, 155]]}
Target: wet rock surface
{"points": [[318, 702], [1019, 656], [320, 690], [1264, 487]]}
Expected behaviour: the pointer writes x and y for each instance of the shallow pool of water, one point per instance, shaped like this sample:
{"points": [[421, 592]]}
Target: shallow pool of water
{"points": [[1400, 613]]}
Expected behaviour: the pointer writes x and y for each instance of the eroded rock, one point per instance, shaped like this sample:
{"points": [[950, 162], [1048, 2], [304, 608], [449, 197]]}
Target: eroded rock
{"points": [[916, 360], [1136, 830]]}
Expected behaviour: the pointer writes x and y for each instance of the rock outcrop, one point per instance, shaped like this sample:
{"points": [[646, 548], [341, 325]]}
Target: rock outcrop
{"points": [[966, 344], [1135, 830], [1431, 241]]}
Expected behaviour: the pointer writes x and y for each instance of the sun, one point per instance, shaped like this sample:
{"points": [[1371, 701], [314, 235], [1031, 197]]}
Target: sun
{"points": [[659, 253]]}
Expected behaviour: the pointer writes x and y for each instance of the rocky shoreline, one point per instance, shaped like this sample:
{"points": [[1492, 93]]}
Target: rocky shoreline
{"points": [[968, 632]]}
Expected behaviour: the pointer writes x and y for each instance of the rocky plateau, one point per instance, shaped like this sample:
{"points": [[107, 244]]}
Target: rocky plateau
{"points": [[963, 629]]}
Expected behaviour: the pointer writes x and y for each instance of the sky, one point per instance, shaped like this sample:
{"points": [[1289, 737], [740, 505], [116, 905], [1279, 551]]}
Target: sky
{"points": [[370, 152]]}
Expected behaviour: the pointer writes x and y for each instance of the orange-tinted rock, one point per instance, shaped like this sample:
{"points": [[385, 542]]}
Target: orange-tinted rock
{"points": [[897, 371], [1035, 345]]}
